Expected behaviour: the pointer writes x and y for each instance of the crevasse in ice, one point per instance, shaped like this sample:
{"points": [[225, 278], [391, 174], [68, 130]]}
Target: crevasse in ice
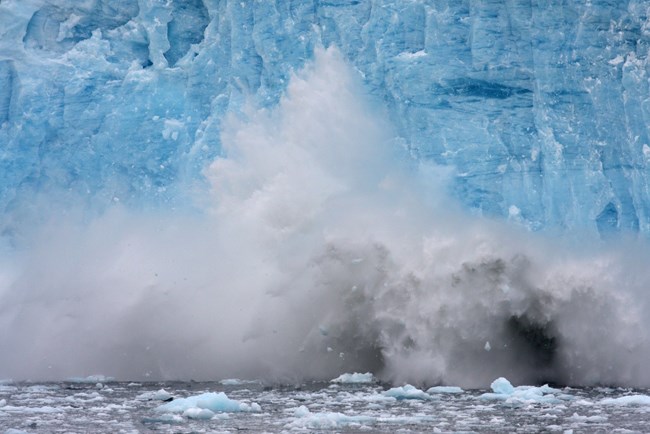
{"points": [[541, 108]]}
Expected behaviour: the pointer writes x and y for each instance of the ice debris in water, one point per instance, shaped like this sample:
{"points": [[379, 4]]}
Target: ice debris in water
{"points": [[160, 395], [355, 378], [504, 391], [215, 402], [407, 392], [445, 389], [330, 420], [628, 400]]}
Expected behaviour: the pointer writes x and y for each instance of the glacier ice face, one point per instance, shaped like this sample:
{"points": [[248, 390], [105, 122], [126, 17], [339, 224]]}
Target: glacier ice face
{"points": [[325, 251], [541, 108]]}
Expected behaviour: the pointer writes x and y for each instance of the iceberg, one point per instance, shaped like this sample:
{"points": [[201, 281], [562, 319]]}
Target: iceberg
{"points": [[354, 378], [504, 391], [408, 392], [211, 401]]}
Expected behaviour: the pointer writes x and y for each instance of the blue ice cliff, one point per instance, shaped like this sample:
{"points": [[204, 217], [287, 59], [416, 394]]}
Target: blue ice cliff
{"points": [[541, 108]]}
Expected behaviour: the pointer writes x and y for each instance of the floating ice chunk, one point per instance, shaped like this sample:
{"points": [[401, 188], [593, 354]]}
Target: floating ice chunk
{"points": [[355, 378], [32, 410], [212, 401], [628, 400], [502, 386], [587, 419], [3, 402], [504, 391], [301, 411], [15, 431], [487, 346], [444, 389], [407, 392], [160, 395], [91, 379], [307, 419]]}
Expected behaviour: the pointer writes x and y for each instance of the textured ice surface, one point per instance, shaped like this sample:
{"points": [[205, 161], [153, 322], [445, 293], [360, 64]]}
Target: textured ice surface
{"points": [[541, 108]]}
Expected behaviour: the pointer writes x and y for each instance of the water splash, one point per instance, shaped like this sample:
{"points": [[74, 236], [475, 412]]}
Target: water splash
{"points": [[323, 249]]}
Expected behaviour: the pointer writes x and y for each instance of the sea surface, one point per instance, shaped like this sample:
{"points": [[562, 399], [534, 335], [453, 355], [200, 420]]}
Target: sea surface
{"points": [[120, 407]]}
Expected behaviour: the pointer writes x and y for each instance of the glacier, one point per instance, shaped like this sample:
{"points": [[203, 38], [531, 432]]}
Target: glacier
{"points": [[430, 192], [541, 108]]}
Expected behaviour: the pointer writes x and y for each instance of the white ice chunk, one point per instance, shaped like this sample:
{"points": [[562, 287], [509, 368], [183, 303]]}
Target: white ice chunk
{"points": [[215, 402], [354, 378], [628, 400], [502, 386], [504, 391], [160, 395], [587, 419], [407, 392]]}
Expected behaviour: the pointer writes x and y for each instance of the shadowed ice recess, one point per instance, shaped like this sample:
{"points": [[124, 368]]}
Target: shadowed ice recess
{"points": [[242, 228]]}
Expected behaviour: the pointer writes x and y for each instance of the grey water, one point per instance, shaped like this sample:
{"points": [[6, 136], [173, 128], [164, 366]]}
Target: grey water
{"points": [[120, 407]]}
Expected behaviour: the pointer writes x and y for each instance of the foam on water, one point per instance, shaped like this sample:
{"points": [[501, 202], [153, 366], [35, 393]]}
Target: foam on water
{"points": [[317, 220]]}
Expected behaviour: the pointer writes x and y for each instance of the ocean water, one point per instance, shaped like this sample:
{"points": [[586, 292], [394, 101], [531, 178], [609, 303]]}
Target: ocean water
{"points": [[119, 407]]}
